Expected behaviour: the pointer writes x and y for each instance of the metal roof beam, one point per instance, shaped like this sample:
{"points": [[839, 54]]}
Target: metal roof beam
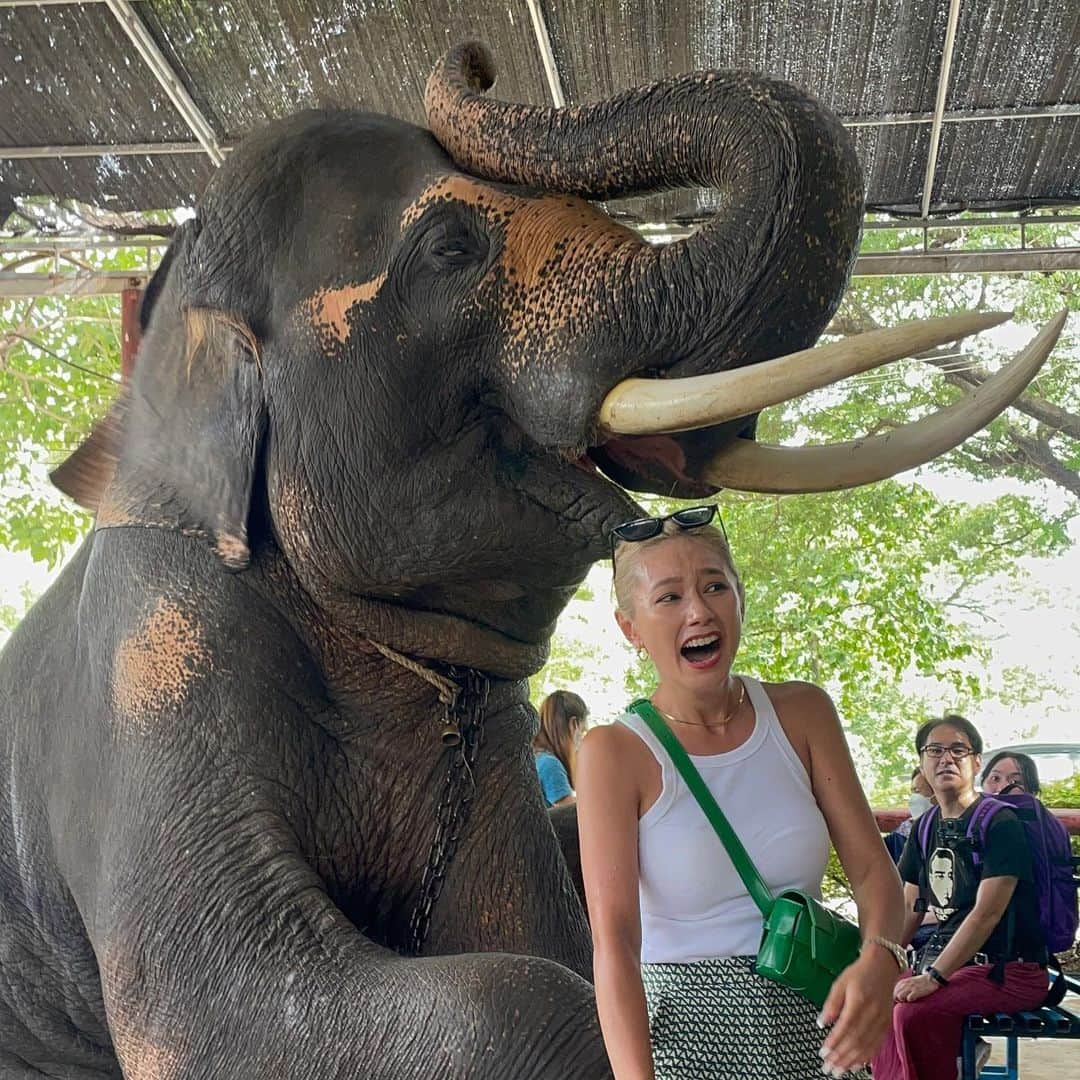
{"points": [[27, 153], [99, 283], [167, 76], [667, 231], [966, 116], [939, 107], [49, 244], [31, 153], [1014, 261], [543, 43]]}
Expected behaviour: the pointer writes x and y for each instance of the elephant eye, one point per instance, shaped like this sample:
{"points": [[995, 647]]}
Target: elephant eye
{"points": [[451, 251], [456, 254], [456, 247]]}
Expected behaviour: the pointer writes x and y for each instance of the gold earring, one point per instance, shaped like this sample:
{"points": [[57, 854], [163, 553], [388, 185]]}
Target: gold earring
{"points": [[642, 653]]}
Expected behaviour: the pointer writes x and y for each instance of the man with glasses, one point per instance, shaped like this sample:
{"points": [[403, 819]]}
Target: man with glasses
{"points": [[987, 953]]}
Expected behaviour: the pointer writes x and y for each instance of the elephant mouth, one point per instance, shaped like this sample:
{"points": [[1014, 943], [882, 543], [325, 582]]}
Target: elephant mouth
{"points": [[657, 463], [692, 436]]}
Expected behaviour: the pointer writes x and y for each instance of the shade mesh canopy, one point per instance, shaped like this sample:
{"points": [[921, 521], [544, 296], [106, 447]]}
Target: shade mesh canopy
{"points": [[70, 76]]}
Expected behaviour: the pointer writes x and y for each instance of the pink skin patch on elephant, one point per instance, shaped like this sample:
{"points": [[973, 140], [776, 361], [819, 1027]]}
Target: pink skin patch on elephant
{"points": [[552, 248], [143, 1055], [328, 310], [142, 1060], [155, 666]]}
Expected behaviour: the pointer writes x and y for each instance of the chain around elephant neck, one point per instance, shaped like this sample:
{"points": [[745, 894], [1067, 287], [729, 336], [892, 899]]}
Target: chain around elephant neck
{"points": [[463, 731], [463, 695]]}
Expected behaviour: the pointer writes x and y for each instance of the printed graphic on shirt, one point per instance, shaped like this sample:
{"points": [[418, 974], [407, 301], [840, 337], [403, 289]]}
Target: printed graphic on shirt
{"points": [[950, 877], [942, 883]]}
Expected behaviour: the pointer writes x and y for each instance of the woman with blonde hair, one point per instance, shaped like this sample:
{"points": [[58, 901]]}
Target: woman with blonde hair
{"points": [[675, 930], [563, 716]]}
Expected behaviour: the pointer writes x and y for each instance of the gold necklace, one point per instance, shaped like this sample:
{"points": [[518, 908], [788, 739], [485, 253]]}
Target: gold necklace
{"points": [[711, 723]]}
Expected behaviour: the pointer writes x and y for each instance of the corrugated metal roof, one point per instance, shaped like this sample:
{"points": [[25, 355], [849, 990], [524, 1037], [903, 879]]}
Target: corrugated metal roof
{"points": [[70, 76]]}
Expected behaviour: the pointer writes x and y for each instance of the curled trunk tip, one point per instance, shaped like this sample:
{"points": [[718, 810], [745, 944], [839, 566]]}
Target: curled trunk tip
{"points": [[463, 71]]}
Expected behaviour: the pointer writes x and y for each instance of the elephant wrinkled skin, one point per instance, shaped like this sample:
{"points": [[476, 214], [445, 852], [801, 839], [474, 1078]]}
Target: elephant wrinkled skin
{"points": [[362, 424]]}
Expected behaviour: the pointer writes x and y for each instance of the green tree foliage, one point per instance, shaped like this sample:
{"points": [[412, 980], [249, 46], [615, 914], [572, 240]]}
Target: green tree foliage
{"points": [[11, 614], [1065, 794], [59, 371]]}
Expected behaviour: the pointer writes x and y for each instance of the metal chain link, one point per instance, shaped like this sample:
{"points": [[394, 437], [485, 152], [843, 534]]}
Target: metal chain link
{"points": [[462, 732]]}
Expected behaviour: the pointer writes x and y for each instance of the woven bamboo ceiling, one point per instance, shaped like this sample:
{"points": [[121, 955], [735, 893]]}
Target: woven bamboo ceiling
{"points": [[131, 105]]}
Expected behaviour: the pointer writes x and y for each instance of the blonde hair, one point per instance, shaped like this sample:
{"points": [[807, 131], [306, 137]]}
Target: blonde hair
{"points": [[629, 554]]}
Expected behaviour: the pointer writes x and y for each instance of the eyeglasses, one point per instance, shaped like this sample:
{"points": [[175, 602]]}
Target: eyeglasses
{"points": [[692, 517], [957, 750]]}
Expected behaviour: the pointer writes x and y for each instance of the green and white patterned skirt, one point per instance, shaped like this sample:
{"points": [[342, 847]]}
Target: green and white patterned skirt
{"points": [[718, 1020]]}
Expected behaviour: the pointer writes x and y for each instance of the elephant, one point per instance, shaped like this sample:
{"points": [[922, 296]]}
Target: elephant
{"points": [[268, 805]]}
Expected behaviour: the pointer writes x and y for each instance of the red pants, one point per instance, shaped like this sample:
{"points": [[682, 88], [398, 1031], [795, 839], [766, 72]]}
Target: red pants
{"points": [[924, 1042]]}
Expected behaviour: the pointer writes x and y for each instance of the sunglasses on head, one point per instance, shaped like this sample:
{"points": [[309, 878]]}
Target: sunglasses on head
{"points": [[693, 517]]}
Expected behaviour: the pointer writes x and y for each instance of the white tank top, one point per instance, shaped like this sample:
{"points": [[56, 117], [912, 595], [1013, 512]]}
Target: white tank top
{"points": [[694, 905]]}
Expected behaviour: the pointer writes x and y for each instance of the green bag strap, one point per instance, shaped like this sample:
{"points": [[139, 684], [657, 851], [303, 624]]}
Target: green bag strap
{"points": [[744, 866]]}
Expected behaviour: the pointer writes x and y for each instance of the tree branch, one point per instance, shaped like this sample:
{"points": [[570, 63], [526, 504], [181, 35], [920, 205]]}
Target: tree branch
{"points": [[1030, 404], [63, 360], [1042, 458]]}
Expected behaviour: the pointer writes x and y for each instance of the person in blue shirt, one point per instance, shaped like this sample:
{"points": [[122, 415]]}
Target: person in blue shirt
{"points": [[563, 717]]}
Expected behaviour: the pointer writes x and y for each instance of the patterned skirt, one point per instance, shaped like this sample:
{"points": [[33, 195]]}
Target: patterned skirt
{"points": [[718, 1020]]}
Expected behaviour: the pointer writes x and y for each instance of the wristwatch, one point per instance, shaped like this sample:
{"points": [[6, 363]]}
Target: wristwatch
{"points": [[899, 953], [936, 976]]}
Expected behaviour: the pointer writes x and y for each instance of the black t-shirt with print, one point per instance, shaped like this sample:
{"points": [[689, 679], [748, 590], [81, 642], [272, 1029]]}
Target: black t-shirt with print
{"points": [[953, 879]]}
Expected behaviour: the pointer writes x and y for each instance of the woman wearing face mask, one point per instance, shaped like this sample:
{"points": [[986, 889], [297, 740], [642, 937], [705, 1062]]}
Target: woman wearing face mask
{"points": [[675, 931], [919, 801]]}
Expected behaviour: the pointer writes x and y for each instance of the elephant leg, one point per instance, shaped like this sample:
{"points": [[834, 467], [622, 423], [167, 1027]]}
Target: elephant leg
{"points": [[221, 955]]}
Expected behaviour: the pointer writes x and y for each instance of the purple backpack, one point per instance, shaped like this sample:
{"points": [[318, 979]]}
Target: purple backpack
{"points": [[1051, 859]]}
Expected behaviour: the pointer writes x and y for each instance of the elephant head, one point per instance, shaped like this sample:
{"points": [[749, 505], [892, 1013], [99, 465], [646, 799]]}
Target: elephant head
{"points": [[416, 360]]}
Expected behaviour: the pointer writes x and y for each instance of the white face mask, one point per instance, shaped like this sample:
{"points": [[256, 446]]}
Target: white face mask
{"points": [[918, 804]]}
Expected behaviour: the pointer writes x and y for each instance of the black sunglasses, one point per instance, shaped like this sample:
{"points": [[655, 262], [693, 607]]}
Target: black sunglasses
{"points": [[693, 517]]}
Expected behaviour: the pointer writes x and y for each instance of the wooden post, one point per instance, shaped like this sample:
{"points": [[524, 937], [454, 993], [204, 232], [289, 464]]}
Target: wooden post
{"points": [[130, 331]]}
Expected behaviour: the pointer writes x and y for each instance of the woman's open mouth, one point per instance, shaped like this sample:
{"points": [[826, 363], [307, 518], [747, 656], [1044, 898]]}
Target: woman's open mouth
{"points": [[702, 651]]}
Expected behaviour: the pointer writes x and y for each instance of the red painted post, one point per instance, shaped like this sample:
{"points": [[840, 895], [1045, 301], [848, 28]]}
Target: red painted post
{"points": [[887, 820], [130, 331]]}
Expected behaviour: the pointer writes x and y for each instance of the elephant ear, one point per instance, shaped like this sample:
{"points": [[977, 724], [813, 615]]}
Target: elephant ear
{"points": [[209, 453], [87, 472], [180, 447]]}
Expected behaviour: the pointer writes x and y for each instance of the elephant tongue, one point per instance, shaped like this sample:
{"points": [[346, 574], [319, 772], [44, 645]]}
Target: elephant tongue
{"points": [[654, 463]]}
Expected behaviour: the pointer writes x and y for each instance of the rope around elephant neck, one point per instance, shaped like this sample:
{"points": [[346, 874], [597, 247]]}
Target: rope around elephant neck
{"points": [[448, 689]]}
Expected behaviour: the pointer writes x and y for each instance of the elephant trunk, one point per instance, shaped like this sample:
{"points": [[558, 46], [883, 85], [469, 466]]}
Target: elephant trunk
{"points": [[762, 278]]}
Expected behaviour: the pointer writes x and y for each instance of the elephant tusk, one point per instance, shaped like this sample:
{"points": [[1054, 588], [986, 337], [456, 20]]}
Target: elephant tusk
{"points": [[747, 466], [665, 406]]}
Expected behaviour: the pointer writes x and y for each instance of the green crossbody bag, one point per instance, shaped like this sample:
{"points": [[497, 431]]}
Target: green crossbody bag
{"points": [[804, 945]]}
